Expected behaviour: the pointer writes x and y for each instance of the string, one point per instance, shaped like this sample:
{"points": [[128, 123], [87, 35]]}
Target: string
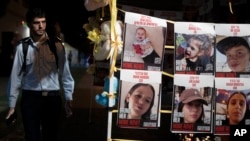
{"points": [[230, 6]]}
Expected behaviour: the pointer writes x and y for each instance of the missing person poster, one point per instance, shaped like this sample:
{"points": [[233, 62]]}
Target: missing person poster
{"points": [[232, 50], [144, 42], [192, 104], [194, 48], [139, 99], [232, 104]]}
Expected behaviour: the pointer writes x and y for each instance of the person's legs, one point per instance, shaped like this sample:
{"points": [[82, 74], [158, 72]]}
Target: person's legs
{"points": [[30, 116], [50, 117]]}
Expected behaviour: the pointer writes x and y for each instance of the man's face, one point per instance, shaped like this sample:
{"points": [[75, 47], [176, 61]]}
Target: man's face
{"points": [[38, 26]]}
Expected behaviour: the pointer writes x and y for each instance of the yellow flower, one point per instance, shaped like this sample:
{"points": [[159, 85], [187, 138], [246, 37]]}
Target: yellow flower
{"points": [[94, 36]]}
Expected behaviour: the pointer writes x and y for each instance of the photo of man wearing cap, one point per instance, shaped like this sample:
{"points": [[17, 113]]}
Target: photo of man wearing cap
{"points": [[236, 53], [191, 105]]}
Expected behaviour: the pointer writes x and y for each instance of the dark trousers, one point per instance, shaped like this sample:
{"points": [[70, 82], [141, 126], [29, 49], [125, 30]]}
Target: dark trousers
{"points": [[40, 115]]}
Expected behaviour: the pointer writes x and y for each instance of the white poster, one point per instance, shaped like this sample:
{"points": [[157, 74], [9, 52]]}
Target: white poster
{"points": [[143, 42], [194, 48]]}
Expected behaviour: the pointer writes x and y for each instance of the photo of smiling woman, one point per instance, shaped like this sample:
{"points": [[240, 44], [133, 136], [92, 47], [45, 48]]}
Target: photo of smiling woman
{"points": [[139, 101]]}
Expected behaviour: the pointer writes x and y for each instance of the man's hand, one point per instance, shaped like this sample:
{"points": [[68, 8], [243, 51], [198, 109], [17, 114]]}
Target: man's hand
{"points": [[11, 111], [11, 117], [68, 108]]}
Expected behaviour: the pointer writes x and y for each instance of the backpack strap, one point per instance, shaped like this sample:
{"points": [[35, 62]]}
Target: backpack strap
{"points": [[52, 46], [25, 44]]}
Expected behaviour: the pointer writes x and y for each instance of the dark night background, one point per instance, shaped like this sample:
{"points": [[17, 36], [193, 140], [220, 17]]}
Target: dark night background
{"points": [[72, 14]]}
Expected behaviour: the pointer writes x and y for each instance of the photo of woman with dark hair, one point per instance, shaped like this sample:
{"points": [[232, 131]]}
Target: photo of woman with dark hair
{"points": [[140, 100], [191, 105], [236, 109]]}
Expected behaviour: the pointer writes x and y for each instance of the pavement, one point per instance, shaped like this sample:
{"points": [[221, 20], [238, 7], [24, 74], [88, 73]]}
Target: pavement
{"points": [[89, 121]]}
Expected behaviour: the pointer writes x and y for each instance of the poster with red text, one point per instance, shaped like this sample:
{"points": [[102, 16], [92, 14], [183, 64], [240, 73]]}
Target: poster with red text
{"points": [[139, 99], [232, 50], [144, 42], [192, 104], [194, 48], [232, 104]]}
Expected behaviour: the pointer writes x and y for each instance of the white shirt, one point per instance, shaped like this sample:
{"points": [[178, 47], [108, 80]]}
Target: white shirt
{"points": [[41, 72]]}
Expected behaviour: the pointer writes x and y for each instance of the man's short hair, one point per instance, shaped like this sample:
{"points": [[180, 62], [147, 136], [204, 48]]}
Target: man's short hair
{"points": [[33, 13]]}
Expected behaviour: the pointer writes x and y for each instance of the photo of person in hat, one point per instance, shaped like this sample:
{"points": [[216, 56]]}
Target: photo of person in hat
{"points": [[191, 106], [237, 53]]}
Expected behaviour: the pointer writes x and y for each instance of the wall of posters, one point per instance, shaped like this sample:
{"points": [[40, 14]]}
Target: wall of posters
{"points": [[210, 75]]}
